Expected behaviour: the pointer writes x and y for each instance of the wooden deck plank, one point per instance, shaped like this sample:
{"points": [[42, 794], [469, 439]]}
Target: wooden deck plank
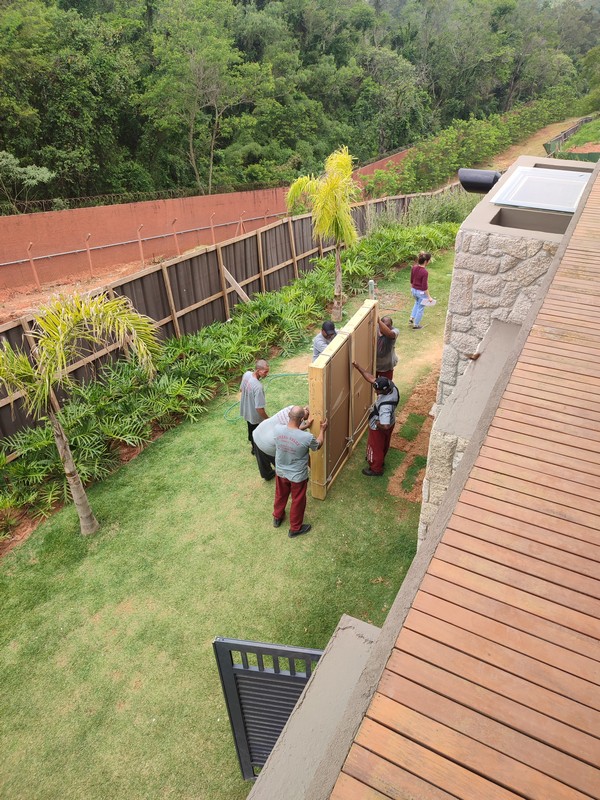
{"points": [[581, 363], [557, 384], [546, 473], [515, 716], [565, 493], [583, 383], [552, 378], [348, 788], [576, 369], [387, 778], [585, 448], [433, 768], [502, 439], [580, 378], [561, 775], [520, 598], [556, 308], [511, 616], [586, 562], [523, 561], [527, 643], [499, 504], [525, 578], [539, 674], [562, 511], [469, 753], [519, 399], [581, 720], [557, 345], [566, 431]]}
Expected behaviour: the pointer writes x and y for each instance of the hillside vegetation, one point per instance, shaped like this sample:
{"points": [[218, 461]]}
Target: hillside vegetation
{"points": [[126, 96]]}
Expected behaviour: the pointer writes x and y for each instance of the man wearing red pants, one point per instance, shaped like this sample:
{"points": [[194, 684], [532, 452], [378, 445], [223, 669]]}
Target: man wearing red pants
{"points": [[291, 469], [381, 421]]}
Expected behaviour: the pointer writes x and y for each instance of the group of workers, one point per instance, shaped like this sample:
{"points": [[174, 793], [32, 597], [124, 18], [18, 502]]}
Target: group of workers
{"points": [[282, 443]]}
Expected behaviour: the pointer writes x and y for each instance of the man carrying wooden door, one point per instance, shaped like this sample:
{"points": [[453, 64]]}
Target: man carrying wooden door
{"points": [[381, 421]]}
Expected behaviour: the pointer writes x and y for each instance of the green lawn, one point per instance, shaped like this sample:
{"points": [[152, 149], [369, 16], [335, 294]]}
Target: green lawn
{"points": [[590, 132], [109, 687]]}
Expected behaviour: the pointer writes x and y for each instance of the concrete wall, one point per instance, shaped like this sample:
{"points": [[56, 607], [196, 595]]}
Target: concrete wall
{"points": [[459, 416], [64, 231]]}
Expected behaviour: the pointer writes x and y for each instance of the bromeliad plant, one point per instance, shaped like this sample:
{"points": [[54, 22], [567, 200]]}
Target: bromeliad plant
{"points": [[63, 331]]}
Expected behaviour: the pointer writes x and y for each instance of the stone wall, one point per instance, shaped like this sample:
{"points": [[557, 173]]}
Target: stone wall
{"points": [[495, 276], [495, 280], [444, 455]]}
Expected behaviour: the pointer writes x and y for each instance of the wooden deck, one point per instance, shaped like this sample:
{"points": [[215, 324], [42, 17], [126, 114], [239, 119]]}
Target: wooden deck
{"points": [[492, 690]]}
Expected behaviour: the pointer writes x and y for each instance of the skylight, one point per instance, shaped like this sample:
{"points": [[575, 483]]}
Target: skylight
{"points": [[545, 189]]}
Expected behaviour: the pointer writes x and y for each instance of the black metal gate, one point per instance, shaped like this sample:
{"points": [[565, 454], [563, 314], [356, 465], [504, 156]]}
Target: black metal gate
{"points": [[261, 683]]}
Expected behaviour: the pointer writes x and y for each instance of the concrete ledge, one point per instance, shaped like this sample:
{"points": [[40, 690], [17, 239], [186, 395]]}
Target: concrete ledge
{"points": [[321, 727]]}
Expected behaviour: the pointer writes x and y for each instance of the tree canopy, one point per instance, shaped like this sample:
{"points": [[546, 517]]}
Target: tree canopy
{"points": [[118, 96]]}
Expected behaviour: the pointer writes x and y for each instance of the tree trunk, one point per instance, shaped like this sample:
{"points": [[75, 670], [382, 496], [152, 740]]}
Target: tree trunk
{"points": [[88, 522], [336, 313]]}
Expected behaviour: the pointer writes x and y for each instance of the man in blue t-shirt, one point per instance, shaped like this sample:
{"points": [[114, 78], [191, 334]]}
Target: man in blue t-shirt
{"points": [[292, 446]]}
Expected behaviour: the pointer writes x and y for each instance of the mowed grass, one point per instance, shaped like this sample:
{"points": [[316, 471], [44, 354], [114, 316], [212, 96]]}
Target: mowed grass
{"points": [[109, 686]]}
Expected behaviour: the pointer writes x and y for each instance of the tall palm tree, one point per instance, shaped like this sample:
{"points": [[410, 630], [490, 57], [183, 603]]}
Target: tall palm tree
{"points": [[63, 331], [330, 197]]}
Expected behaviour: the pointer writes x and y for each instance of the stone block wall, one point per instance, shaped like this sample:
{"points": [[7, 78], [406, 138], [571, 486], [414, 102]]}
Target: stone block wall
{"points": [[495, 276], [444, 455]]}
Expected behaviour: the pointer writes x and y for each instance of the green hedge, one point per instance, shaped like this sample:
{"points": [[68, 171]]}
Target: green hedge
{"points": [[467, 143]]}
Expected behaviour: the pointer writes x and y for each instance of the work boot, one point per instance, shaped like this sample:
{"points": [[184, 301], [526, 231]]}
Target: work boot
{"points": [[303, 529]]}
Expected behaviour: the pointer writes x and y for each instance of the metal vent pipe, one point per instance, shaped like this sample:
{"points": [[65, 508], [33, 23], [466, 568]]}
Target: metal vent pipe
{"points": [[479, 181]]}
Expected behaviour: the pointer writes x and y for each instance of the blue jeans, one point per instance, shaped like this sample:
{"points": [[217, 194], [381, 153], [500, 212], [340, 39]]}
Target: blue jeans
{"points": [[418, 308]]}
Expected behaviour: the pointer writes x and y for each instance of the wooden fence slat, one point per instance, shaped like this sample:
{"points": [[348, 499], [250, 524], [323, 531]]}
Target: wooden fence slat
{"points": [[169, 290], [223, 283]]}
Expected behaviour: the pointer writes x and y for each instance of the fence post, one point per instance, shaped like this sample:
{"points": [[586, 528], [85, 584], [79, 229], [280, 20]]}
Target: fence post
{"points": [[33, 269], [223, 281], [171, 300], [175, 237], [139, 238], [89, 254], [261, 265], [293, 246]]}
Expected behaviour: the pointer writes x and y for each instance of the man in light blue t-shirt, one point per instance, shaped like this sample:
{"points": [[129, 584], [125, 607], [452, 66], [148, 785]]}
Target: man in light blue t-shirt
{"points": [[252, 398], [292, 447]]}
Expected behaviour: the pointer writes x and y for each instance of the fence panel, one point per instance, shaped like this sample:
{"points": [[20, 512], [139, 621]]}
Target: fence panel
{"points": [[196, 289]]}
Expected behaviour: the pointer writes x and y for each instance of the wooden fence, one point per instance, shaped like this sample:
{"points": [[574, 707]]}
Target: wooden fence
{"points": [[191, 291]]}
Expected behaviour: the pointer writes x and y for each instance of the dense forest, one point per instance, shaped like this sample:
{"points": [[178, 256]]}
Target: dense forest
{"points": [[116, 96]]}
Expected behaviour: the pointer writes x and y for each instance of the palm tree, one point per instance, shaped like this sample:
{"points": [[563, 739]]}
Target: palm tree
{"points": [[63, 331], [330, 197]]}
